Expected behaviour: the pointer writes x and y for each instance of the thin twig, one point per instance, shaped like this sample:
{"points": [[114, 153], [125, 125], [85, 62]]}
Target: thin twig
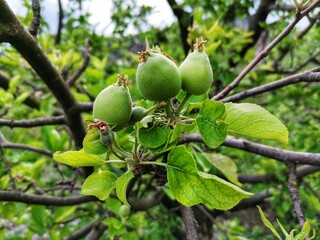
{"points": [[33, 122], [312, 75], [35, 24], [292, 186], [6, 144], [57, 39], [8, 167], [189, 223], [86, 59], [44, 199], [78, 234], [257, 178], [265, 52]]}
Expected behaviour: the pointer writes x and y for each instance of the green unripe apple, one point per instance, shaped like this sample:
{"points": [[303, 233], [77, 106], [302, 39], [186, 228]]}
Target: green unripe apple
{"points": [[113, 105], [124, 211], [137, 115], [196, 72], [158, 77]]}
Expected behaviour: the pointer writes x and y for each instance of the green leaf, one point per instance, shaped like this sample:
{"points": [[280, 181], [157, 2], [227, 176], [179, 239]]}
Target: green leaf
{"points": [[285, 233], [121, 186], [210, 122], [191, 187], [92, 143], [152, 137], [39, 216], [77, 158], [251, 120], [99, 184], [304, 231], [63, 213], [179, 129], [225, 165], [268, 224]]}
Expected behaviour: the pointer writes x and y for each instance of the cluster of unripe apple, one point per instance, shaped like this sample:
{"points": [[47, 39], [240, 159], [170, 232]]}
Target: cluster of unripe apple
{"points": [[158, 79]]}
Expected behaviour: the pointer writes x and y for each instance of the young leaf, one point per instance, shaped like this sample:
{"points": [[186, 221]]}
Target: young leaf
{"points": [[92, 143], [225, 165], [99, 184], [191, 187], [77, 158], [210, 123], [251, 120], [121, 186], [286, 234], [304, 232], [268, 224], [152, 137]]}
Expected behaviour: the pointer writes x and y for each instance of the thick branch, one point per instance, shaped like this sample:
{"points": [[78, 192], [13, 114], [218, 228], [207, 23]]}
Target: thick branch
{"points": [[253, 201], [33, 122], [84, 107], [78, 234], [292, 186], [97, 231], [284, 156], [12, 31], [44, 199], [308, 76], [35, 24], [189, 222], [265, 52]]}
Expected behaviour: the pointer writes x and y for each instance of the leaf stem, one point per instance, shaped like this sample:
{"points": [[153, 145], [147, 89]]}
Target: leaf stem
{"points": [[159, 104], [115, 161], [183, 102], [153, 163]]}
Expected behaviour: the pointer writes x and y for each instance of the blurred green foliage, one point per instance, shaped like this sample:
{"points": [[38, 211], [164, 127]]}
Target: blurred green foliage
{"points": [[298, 106]]}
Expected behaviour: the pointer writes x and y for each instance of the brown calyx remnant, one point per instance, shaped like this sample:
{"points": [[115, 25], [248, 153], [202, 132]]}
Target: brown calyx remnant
{"points": [[123, 81], [102, 126], [200, 44], [143, 56]]}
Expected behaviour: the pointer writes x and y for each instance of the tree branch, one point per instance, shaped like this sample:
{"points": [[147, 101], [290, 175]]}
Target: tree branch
{"points": [[189, 222], [265, 52], [12, 31], [44, 199], [312, 75], [35, 24], [255, 21], [96, 231], [183, 22], [84, 107], [284, 156], [58, 120], [6, 144], [57, 39], [292, 186]]}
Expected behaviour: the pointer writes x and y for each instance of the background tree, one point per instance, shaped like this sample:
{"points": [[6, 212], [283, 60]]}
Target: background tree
{"points": [[263, 52]]}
